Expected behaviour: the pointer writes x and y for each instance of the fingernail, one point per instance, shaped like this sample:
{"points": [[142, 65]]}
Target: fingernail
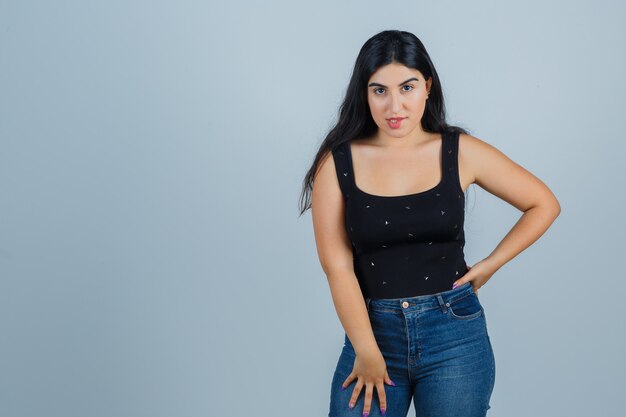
{"points": [[383, 411], [351, 405], [343, 388], [365, 414], [454, 286], [393, 383]]}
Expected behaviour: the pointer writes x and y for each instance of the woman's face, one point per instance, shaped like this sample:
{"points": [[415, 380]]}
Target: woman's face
{"points": [[395, 90]]}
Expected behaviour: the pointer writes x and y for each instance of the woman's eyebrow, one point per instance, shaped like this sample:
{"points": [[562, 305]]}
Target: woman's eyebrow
{"points": [[381, 85]]}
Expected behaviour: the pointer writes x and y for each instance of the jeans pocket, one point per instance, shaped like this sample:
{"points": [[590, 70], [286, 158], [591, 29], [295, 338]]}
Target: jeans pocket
{"points": [[466, 308]]}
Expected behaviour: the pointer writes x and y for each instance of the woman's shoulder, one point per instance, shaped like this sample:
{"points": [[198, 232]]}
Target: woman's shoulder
{"points": [[472, 146], [474, 153]]}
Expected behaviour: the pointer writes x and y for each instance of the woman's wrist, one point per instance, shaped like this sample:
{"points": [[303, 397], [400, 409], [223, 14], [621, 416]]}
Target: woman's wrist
{"points": [[492, 263], [367, 350]]}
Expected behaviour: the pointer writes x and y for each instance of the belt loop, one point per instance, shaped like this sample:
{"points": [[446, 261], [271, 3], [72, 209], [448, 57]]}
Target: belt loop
{"points": [[442, 303]]}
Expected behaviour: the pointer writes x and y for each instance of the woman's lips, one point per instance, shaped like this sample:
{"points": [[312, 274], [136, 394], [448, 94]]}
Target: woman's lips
{"points": [[395, 122]]}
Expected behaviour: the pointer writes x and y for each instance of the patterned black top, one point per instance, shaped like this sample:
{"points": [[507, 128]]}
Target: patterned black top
{"points": [[410, 244]]}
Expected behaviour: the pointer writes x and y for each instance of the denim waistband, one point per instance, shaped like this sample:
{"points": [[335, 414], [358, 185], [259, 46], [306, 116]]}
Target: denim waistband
{"points": [[421, 302]]}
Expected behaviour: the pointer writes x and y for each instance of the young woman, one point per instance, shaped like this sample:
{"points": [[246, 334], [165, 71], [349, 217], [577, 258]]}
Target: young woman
{"points": [[387, 194]]}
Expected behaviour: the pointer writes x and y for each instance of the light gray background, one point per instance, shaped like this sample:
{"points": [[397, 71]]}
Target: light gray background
{"points": [[151, 156]]}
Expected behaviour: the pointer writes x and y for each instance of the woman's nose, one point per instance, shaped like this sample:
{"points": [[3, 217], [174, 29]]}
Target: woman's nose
{"points": [[396, 104]]}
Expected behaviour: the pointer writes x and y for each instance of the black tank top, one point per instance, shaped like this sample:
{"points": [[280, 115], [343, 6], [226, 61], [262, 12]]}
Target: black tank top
{"points": [[406, 245]]}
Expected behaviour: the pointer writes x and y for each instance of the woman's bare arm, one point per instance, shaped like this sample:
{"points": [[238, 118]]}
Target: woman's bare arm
{"points": [[335, 254], [496, 173], [336, 258]]}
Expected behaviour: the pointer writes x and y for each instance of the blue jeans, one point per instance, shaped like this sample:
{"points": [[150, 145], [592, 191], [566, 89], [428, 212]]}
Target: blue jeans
{"points": [[437, 351]]}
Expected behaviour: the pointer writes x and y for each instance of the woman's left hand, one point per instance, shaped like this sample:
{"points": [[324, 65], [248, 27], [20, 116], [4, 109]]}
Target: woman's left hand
{"points": [[478, 274]]}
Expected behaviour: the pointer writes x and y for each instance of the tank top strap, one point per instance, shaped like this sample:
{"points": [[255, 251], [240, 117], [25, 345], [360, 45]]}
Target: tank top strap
{"points": [[342, 167], [450, 157]]}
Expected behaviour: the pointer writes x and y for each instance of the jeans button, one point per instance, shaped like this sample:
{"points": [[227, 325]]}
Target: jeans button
{"points": [[405, 304]]}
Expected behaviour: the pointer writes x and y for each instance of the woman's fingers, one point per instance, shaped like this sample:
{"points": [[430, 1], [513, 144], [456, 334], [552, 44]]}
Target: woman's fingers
{"points": [[388, 380], [379, 384], [348, 381], [369, 388], [355, 393], [382, 397]]}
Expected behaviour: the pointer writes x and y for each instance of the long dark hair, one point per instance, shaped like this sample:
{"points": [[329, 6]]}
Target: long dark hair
{"points": [[355, 120]]}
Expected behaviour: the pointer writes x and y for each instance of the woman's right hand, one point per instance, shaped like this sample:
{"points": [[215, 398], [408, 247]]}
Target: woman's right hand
{"points": [[370, 370]]}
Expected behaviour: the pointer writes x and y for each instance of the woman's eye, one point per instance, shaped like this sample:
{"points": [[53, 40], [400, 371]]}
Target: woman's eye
{"points": [[376, 91]]}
